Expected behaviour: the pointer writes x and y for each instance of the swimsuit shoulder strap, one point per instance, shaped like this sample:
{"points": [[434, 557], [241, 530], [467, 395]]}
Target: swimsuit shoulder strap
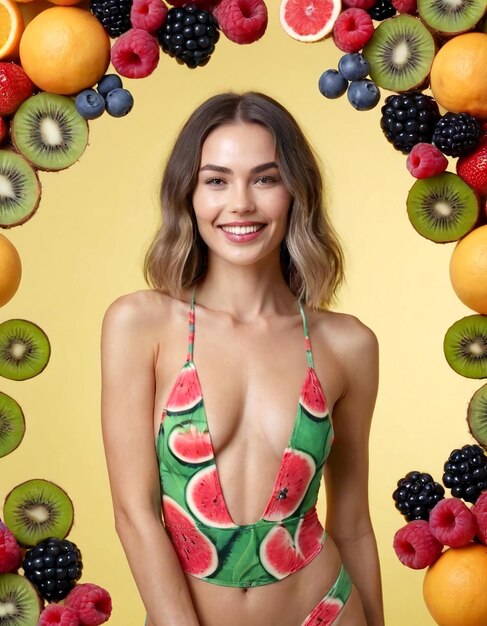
{"points": [[307, 342], [189, 357]]}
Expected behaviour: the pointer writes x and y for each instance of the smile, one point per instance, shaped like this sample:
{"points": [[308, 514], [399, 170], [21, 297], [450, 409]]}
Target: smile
{"points": [[242, 230]]}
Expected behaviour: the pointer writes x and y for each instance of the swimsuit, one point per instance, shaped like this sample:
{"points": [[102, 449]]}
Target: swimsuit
{"points": [[288, 535]]}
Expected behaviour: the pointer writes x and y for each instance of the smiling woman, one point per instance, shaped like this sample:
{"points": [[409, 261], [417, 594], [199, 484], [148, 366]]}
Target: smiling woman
{"points": [[236, 474]]}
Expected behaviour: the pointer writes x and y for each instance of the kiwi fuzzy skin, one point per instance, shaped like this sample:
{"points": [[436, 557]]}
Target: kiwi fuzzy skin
{"points": [[26, 217]]}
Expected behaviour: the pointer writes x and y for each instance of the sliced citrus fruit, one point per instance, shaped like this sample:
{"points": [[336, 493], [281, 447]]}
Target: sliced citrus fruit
{"points": [[308, 20], [11, 29]]}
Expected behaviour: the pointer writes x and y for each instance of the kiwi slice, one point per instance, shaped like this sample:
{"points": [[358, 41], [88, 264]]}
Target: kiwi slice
{"points": [[465, 346], [36, 510], [442, 208], [400, 53], [20, 189], [24, 349], [48, 130], [451, 17], [12, 425], [477, 416], [20, 604]]}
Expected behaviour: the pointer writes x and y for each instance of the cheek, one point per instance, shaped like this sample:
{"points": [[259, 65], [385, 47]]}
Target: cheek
{"points": [[205, 204]]}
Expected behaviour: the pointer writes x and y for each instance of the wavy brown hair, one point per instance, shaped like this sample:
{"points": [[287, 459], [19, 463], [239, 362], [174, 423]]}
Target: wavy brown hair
{"points": [[311, 255]]}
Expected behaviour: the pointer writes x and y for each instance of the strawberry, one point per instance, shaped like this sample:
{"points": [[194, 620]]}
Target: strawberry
{"points": [[4, 129], [15, 87], [473, 168]]}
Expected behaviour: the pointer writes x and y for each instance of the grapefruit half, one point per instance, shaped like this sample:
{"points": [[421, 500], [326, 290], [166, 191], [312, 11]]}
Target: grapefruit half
{"points": [[309, 20]]}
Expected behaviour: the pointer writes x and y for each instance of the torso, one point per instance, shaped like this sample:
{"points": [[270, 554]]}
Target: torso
{"points": [[251, 376]]}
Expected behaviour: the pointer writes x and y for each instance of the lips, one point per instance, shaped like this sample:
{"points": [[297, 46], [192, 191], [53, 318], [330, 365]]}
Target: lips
{"points": [[241, 229]]}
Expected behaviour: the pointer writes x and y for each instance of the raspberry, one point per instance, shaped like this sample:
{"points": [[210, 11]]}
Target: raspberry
{"points": [[415, 546], [405, 6], [93, 604], [135, 54], [358, 4], [352, 30], [55, 614], [452, 523], [148, 15], [10, 556], [426, 160], [479, 511], [242, 21]]}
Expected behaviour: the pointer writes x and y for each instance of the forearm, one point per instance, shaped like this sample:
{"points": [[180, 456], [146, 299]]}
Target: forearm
{"points": [[361, 559], [157, 572]]}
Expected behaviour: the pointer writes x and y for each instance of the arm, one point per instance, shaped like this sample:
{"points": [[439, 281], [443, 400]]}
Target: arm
{"points": [[128, 388], [346, 470]]}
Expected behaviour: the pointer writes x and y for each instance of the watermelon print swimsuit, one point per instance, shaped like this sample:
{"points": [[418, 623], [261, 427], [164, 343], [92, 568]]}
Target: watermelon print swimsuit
{"points": [[288, 535]]}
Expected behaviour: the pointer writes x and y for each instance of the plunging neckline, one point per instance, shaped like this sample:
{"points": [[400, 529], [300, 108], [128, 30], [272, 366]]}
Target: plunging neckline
{"points": [[310, 378]]}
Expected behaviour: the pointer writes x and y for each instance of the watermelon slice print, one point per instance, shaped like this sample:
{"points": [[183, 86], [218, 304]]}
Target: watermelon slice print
{"points": [[189, 444], [278, 554], [204, 498], [196, 553], [295, 474], [310, 535], [312, 398], [186, 393], [325, 613]]}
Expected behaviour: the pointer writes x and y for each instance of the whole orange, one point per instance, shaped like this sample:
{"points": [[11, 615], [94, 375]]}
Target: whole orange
{"points": [[454, 587], [458, 77], [468, 270], [64, 50], [10, 270]]}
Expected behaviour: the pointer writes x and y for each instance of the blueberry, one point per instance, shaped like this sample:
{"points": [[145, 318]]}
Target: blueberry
{"points": [[332, 84], [90, 104], [119, 102], [363, 94], [109, 82], [353, 66]]}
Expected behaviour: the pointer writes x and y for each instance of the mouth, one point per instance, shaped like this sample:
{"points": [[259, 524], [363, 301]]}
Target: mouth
{"points": [[247, 229]]}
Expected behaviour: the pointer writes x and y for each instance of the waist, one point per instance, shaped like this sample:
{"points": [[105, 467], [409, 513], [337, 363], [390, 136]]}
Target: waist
{"points": [[243, 556]]}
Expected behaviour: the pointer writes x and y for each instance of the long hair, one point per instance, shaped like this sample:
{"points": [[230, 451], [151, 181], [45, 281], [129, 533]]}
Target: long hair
{"points": [[311, 255]]}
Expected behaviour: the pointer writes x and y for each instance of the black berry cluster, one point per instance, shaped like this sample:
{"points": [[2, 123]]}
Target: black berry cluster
{"points": [[409, 118], [466, 472], [416, 494], [114, 15], [53, 566], [456, 133], [381, 10], [189, 34]]}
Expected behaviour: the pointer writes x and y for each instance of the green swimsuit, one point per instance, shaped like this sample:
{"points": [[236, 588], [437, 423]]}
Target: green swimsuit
{"points": [[207, 541]]}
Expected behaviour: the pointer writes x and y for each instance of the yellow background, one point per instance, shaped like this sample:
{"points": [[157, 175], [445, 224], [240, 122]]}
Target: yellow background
{"points": [[85, 246]]}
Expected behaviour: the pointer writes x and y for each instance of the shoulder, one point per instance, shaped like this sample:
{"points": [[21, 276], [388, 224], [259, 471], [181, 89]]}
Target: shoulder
{"points": [[137, 310], [345, 333]]}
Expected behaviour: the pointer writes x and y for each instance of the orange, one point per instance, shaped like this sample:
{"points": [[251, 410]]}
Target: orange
{"points": [[11, 28], [65, 3], [458, 77], [64, 50], [10, 270], [454, 587], [468, 270]]}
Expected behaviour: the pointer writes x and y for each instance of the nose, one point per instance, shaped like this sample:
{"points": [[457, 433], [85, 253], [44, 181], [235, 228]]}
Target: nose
{"points": [[242, 200]]}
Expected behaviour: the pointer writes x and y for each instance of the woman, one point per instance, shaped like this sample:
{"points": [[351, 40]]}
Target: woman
{"points": [[242, 267]]}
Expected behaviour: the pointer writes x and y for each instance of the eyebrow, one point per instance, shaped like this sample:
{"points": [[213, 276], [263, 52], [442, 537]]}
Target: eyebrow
{"points": [[226, 170]]}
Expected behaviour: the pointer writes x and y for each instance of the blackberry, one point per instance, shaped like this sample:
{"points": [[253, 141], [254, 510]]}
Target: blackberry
{"points": [[416, 494], [114, 15], [409, 118], [53, 566], [381, 10], [466, 473], [456, 133], [189, 34]]}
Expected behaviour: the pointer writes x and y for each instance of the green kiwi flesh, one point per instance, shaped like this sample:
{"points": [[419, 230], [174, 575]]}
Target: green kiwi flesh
{"points": [[465, 346], [24, 349], [477, 416], [451, 16], [12, 425], [36, 510], [400, 53], [49, 132], [20, 189], [442, 208], [20, 604]]}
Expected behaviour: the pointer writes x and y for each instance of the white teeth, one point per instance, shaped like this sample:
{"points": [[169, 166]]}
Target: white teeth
{"points": [[242, 230]]}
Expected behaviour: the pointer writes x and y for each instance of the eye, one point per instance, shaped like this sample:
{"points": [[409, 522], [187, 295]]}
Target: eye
{"points": [[267, 180], [214, 182]]}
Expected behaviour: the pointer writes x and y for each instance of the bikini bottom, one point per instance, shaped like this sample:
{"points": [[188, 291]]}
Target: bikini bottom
{"points": [[329, 608]]}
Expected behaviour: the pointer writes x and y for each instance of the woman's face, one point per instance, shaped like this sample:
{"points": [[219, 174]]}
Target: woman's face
{"points": [[240, 201]]}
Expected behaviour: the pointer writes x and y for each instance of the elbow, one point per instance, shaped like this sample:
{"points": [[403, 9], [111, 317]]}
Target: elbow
{"points": [[128, 521]]}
